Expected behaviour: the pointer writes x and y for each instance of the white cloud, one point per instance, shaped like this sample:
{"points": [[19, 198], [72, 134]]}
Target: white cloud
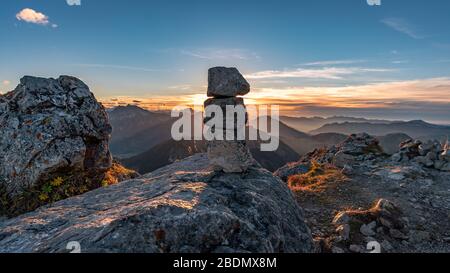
{"points": [[330, 73], [73, 2], [400, 62], [181, 87], [6, 82], [31, 16], [337, 62], [220, 54], [325, 73], [403, 26]]}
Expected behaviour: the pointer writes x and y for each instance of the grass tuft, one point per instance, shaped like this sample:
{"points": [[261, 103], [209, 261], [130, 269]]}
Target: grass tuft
{"points": [[318, 179]]}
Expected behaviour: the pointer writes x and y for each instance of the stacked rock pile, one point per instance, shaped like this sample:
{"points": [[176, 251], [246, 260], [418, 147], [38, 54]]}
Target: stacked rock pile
{"points": [[431, 154], [224, 87]]}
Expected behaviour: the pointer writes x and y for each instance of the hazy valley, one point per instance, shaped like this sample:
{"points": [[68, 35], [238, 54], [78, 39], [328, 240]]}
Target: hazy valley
{"points": [[138, 134]]}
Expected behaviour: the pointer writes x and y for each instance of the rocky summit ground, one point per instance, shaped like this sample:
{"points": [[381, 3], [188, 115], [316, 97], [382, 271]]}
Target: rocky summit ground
{"points": [[403, 206], [185, 207]]}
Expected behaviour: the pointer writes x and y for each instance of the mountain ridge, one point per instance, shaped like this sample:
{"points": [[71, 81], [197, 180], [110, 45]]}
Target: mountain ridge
{"points": [[170, 151], [415, 129]]}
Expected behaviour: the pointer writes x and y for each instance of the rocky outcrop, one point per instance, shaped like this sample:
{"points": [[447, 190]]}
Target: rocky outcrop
{"points": [[292, 169], [185, 207], [355, 149], [228, 155], [408, 218], [53, 142], [383, 224], [431, 154]]}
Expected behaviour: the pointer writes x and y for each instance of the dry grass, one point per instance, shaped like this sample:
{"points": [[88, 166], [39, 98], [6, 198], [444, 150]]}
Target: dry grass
{"points": [[117, 173], [317, 180]]}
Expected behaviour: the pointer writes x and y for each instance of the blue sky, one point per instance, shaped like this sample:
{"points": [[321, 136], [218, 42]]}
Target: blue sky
{"points": [[154, 49]]}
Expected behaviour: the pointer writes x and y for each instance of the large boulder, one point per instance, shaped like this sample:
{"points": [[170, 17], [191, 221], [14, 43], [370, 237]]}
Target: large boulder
{"points": [[226, 82], [184, 207], [50, 129]]}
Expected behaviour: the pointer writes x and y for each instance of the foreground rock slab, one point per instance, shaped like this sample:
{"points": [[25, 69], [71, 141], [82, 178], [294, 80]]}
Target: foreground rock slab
{"points": [[185, 207]]}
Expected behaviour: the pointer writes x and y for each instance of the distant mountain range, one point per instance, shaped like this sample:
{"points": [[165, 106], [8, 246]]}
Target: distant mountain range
{"points": [[307, 124], [416, 129], [136, 130], [142, 141], [170, 151], [303, 143], [129, 120]]}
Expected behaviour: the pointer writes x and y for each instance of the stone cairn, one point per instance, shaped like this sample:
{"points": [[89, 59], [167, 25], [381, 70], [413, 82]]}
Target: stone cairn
{"points": [[431, 154], [224, 85]]}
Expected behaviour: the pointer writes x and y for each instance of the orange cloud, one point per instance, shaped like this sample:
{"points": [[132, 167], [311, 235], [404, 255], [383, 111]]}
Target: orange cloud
{"points": [[330, 73], [429, 90], [31, 16], [426, 97]]}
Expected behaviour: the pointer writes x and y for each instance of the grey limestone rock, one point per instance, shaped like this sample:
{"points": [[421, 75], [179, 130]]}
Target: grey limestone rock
{"points": [[226, 82], [185, 207], [49, 125], [228, 155]]}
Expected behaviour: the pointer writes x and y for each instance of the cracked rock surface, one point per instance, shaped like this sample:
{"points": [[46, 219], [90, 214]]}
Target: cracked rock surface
{"points": [[184, 207], [49, 125]]}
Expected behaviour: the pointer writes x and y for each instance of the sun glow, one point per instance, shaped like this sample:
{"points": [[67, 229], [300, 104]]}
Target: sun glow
{"points": [[394, 96]]}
